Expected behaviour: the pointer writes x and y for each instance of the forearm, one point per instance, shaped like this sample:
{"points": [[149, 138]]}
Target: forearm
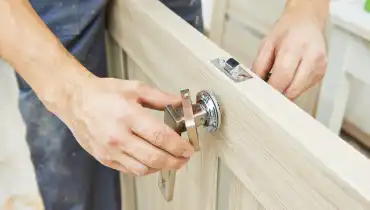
{"points": [[36, 54], [318, 9]]}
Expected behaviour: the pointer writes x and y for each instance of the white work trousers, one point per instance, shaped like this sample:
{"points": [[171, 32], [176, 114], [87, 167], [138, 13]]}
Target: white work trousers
{"points": [[18, 185]]}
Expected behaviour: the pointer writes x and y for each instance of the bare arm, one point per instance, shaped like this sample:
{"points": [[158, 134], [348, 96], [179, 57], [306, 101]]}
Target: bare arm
{"points": [[105, 115], [319, 9], [36, 54]]}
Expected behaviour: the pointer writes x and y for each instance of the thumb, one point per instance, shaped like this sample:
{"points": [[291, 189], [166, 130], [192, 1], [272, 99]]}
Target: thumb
{"points": [[154, 98]]}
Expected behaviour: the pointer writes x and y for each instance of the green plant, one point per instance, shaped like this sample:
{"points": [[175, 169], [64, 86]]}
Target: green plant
{"points": [[367, 5]]}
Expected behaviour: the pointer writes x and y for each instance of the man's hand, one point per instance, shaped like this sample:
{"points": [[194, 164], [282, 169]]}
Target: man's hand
{"points": [[295, 50], [109, 120], [107, 116]]}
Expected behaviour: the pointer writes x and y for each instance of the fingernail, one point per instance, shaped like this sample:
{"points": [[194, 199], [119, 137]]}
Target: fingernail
{"points": [[187, 154]]}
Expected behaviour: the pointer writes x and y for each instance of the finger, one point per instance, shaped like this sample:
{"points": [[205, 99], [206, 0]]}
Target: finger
{"points": [[265, 59], [133, 165], [283, 70], [151, 171], [102, 155], [154, 98], [159, 134], [299, 84], [150, 155], [119, 167], [129, 163], [307, 75]]}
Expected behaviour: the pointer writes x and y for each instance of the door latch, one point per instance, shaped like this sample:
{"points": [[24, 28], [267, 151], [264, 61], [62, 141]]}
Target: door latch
{"points": [[232, 69], [188, 117]]}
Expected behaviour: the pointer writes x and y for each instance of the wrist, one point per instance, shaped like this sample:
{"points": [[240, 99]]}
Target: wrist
{"points": [[60, 91], [316, 11]]}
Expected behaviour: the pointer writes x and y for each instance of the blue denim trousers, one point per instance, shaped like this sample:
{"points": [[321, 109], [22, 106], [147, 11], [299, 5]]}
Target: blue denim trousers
{"points": [[69, 178]]}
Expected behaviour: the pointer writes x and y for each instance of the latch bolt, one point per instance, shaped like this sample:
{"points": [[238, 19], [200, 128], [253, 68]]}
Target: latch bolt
{"points": [[232, 69]]}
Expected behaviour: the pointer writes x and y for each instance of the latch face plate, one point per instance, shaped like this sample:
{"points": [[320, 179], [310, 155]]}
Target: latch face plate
{"points": [[232, 69]]}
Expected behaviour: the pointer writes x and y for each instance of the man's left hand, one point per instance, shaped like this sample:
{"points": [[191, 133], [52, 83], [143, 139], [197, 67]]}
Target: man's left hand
{"points": [[294, 52]]}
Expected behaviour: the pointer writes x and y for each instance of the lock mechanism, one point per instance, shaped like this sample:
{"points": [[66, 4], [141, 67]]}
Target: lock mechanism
{"points": [[232, 69], [188, 117]]}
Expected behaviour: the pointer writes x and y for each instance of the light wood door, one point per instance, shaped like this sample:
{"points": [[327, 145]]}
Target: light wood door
{"points": [[267, 154]]}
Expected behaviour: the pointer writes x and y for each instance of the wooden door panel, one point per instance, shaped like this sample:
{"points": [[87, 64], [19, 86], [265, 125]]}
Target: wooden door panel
{"points": [[280, 154], [232, 194], [242, 198]]}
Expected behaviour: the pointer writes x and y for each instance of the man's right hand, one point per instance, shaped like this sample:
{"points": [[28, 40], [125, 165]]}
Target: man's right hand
{"points": [[107, 116], [109, 120]]}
